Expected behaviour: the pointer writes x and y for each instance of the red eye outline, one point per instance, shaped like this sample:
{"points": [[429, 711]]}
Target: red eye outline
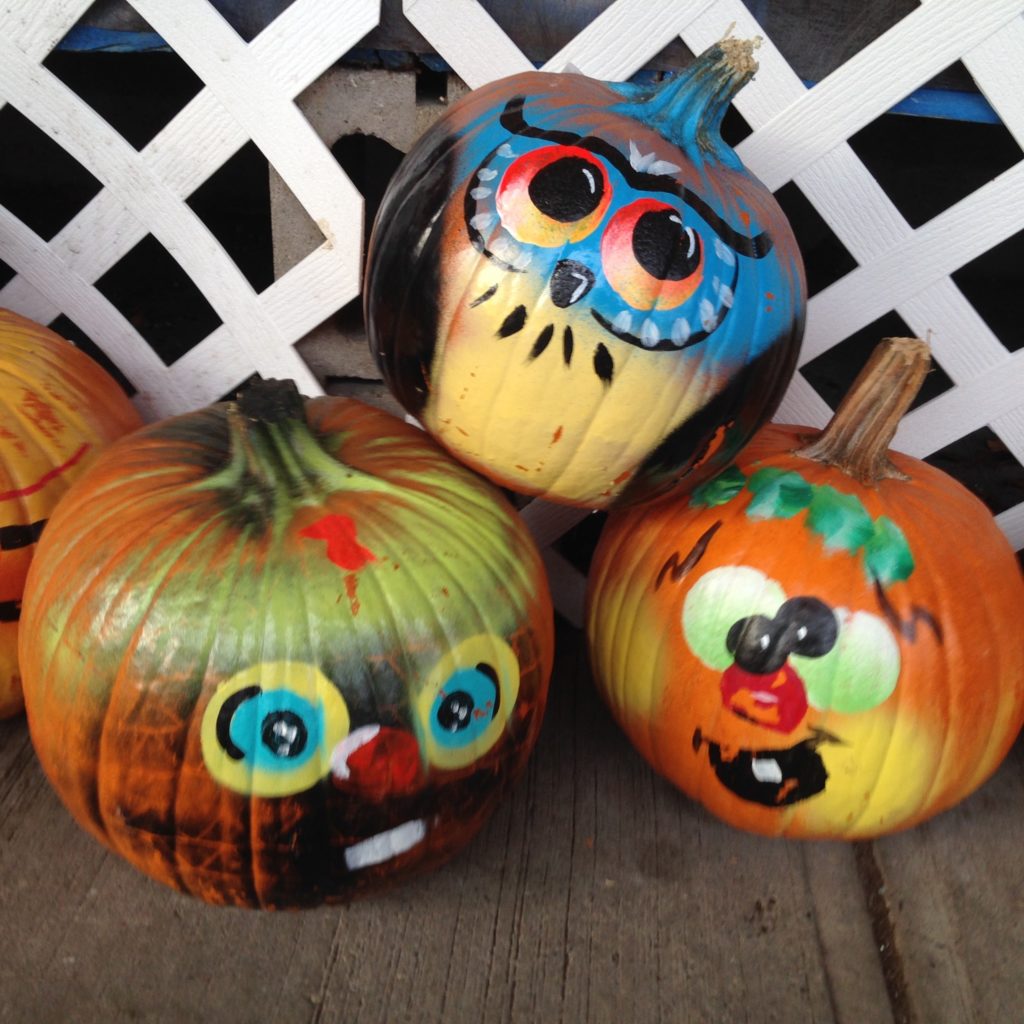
{"points": [[521, 188], [627, 275]]}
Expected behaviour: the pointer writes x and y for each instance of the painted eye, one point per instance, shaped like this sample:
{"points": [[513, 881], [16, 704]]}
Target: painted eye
{"points": [[269, 730], [718, 601], [553, 195], [858, 672], [651, 257], [467, 700]]}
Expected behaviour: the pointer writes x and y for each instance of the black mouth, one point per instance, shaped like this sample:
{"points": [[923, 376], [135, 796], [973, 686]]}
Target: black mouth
{"points": [[771, 777]]}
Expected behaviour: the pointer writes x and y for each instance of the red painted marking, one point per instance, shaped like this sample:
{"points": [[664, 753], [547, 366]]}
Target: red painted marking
{"points": [[343, 548], [351, 586], [557, 436], [46, 477], [769, 295]]}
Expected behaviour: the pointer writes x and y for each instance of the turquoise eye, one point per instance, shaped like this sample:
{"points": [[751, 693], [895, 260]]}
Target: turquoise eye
{"points": [[277, 730], [465, 706]]}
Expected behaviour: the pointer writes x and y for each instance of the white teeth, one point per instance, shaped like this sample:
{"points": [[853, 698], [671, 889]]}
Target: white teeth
{"points": [[649, 334], [663, 167], [488, 174], [623, 322], [681, 331], [726, 295], [505, 150], [506, 249], [345, 749], [637, 160], [385, 845], [482, 221], [480, 192], [708, 317], [766, 769], [724, 253]]}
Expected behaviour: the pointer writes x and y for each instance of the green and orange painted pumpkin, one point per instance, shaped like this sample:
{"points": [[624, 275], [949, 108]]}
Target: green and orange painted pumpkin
{"points": [[278, 652], [825, 640], [580, 290], [58, 409]]}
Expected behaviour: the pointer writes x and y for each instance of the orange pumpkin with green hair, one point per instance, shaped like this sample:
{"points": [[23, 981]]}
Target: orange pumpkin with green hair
{"points": [[824, 641]]}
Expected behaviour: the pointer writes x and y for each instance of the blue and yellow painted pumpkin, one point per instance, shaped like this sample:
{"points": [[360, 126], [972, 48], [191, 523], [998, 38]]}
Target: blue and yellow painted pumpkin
{"points": [[277, 653], [799, 646], [578, 288]]}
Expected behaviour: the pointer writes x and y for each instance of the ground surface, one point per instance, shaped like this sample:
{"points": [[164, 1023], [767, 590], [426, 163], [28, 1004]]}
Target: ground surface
{"points": [[596, 894]]}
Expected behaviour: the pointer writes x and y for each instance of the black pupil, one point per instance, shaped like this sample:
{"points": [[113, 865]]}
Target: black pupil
{"points": [[567, 189], [284, 733], [664, 248], [455, 711]]}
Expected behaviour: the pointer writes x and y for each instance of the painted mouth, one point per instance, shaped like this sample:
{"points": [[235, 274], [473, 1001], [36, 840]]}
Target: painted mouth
{"points": [[772, 777], [385, 846]]}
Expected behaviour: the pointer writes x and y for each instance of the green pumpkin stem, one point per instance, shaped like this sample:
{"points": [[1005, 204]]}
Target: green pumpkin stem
{"points": [[858, 437], [276, 460], [690, 106]]}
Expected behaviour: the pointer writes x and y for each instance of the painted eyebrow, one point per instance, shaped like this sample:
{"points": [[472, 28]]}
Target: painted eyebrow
{"points": [[513, 121]]}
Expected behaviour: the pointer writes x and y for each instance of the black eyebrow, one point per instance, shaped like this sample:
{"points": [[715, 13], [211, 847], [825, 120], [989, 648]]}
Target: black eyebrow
{"points": [[513, 121]]}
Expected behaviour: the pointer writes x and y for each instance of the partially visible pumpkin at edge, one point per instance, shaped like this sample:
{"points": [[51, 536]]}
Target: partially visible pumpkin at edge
{"points": [[58, 409]]}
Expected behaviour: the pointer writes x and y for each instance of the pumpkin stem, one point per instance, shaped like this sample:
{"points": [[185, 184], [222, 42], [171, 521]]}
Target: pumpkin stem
{"points": [[858, 436], [273, 448], [689, 107]]}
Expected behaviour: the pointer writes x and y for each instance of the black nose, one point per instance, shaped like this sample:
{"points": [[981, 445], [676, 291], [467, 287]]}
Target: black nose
{"points": [[803, 625], [570, 282]]}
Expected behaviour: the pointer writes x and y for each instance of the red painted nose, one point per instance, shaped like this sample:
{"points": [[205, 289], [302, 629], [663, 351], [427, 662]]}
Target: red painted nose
{"points": [[377, 761], [776, 700]]}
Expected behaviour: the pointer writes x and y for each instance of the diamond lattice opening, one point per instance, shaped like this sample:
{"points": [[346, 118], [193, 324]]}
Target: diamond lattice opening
{"points": [[234, 203], [928, 164], [992, 283], [40, 183], [159, 299], [832, 372], [136, 93], [985, 466]]}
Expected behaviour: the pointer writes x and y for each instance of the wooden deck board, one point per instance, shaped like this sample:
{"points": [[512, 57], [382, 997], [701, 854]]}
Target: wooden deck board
{"points": [[597, 893]]}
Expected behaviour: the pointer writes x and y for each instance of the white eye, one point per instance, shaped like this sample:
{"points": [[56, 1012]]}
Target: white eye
{"points": [[718, 600]]}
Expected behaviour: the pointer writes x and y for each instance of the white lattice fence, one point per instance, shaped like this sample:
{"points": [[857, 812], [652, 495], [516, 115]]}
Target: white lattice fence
{"points": [[800, 135]]}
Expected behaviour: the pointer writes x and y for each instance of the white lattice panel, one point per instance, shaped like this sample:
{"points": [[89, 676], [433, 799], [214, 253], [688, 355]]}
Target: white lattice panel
{"points": [[800, 135]]}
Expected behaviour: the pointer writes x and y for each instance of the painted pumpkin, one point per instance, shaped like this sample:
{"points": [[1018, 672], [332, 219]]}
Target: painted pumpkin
{"points": [[578, 288], [58, 409], [825, 640], [276, 654]]}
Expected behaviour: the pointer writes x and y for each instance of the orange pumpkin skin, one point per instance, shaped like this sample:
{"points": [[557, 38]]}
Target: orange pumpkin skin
{"points": [[815, 748], [169, 585], [58, 409]]}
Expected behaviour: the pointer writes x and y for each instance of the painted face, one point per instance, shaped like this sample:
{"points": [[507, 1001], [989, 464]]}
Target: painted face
{"points": [[774, 650], [604, 296]]}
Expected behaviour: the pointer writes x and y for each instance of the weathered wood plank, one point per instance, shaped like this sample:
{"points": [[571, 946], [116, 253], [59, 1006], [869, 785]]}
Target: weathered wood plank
{"points": [[597, 893]]}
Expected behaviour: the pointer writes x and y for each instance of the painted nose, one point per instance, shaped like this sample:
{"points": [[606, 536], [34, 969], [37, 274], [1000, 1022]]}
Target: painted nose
{"points": [[378, 761], [570, 282]]}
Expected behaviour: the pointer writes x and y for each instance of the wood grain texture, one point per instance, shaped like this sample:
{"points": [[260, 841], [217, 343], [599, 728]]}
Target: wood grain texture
{"points": [[596, 894]]}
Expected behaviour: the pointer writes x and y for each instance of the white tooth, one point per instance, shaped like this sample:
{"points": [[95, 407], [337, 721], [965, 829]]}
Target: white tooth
{"points": [[523, 260], [766, 769], [487, 174], [681, 331], [649, 334], [637, 160], [506, 249], [623, 322], [708, 318], [726, 295], [480, 192], [663, 167], [482, 221], [505, 150], [351, 743], [385, 845], [724, 253]]}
